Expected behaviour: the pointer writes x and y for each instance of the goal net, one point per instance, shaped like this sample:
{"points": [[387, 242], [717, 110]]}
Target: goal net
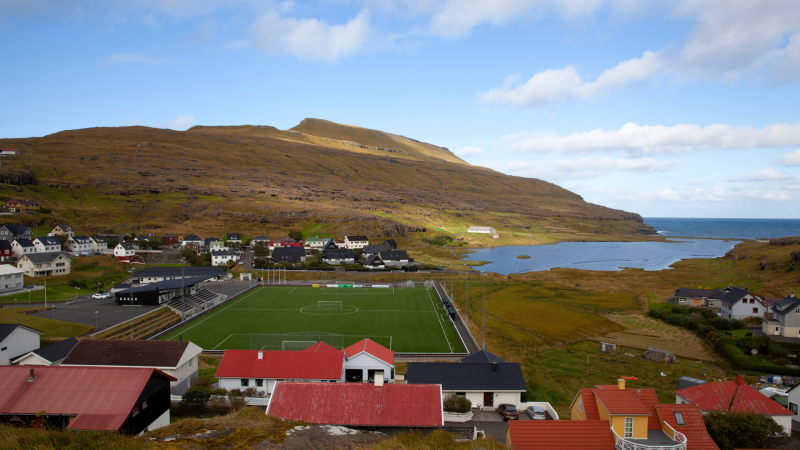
{"points": [[407, 285], [329, 305], [430, 284], [296, 345]]}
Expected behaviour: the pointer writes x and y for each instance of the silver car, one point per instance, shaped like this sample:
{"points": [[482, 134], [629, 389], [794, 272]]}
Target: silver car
{"points": [[536, 413]]}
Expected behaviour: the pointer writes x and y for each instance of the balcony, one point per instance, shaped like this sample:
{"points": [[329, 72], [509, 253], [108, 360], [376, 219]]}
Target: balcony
{"points": [[656, 440]]}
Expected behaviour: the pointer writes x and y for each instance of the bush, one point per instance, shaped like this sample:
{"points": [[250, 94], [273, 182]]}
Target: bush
{"points": [[679, 320], [738, 324], [219, 391], [735, 429], [776, 350], [454, 403], [296, 235], [77, 284], [202, 381], [195, 397], [252, 391], [750, 342], [721, 324], [658, 313]]}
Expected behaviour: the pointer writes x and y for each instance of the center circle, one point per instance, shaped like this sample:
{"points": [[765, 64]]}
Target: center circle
{"points": [[315, 311]]}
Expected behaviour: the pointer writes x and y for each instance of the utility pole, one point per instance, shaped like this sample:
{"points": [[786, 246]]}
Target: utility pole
{"points": [[466, 302], [483, 316], [587, 364]]}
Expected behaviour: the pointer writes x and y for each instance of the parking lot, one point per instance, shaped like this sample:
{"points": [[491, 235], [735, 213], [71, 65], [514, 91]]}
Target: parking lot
{"points": [[108, 313]]}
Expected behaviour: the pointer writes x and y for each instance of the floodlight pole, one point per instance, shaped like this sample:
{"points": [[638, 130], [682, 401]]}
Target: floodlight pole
{"points": [[483, 315], [466, 305]]}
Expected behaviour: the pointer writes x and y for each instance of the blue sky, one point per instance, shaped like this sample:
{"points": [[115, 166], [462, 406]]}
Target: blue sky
{"points": [[675, 108]]}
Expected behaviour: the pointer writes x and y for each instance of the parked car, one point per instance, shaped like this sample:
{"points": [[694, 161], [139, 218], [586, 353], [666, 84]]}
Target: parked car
{"points": [[509, 412], [101, 295], [536, 413]]}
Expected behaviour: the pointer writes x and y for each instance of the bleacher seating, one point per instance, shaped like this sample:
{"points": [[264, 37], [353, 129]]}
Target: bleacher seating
{"points": [[200, 299]]}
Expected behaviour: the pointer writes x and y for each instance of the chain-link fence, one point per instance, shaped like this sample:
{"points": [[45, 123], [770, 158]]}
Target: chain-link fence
{"points": [[305, 339]]}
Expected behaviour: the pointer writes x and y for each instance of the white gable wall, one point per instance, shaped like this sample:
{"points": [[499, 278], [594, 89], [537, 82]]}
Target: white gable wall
{"points": [[367, 362], [21, 340]]}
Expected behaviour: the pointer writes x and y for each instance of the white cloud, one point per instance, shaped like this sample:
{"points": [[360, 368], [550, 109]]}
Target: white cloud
{"points": [[565, 85], [130, 58], [310, 39], [641, 140], [469, 151], [584, 168], [791, 159], [179, 123], [766, 174]]}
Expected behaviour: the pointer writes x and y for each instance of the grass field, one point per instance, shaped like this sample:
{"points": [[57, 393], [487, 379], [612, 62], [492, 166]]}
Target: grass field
{"points": [[408, 320]]}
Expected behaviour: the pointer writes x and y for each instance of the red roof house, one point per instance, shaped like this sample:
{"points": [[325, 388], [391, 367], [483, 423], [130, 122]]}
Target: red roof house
{"points": [[128, 400], [692, 425], [240, 369], [359, 404], [559, 435], [371, 348], [734, 396], [366, 358]]}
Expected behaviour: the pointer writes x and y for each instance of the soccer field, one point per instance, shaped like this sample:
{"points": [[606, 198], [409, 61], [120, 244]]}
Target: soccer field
{"points": [[406, 320]]}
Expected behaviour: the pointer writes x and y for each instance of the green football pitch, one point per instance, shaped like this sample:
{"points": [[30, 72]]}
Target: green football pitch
{"points": [[275, 318]]}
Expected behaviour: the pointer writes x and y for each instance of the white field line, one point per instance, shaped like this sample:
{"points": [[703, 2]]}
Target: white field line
{"points": [[364, 310], [222, 342], [217, 312], [292, 290], [440, 322]]}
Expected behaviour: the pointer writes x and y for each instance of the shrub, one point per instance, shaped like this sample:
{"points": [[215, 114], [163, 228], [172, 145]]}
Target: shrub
{"points": [[708, 314], [236, 399], [202, 381], [748, 334], [77, 284], [454, 403], [679, 320], [219, 391], [658, 313], [735, 429], [775, 350], [738, 324], [721, 324], [195, 397], [705, 329], [252, 391], [750, 342]]}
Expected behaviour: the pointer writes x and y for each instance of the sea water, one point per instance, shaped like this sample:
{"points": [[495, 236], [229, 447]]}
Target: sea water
{"points": [[725, 228]]}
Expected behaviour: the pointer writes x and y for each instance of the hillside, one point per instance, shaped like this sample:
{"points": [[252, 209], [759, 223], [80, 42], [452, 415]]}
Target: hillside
{"points": [[260, 180]]}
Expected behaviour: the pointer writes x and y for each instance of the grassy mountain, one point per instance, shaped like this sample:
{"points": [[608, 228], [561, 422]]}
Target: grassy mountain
{"points": [[260, 180]]}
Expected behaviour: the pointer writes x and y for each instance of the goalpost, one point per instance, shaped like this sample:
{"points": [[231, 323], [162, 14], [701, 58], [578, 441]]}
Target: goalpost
{"points": [[329, 305], [296, 345]]}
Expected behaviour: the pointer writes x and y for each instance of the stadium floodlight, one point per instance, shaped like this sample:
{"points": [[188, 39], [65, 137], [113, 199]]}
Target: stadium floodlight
{"points": [[329, 305]]}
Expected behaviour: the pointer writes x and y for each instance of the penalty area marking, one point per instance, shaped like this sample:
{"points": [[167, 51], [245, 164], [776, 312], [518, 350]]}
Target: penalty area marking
{"points": [[350, 310], [222, 342], [215, 313]]}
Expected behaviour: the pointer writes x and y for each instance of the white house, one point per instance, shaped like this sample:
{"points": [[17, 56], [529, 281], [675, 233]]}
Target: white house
{"points": [[241, 369], [316, 243], [20, 247], [11, 278], [52, 355], [192, 239], [175, 358], [260, 240], [354, 242], [15, 340], [737, 396], [45, 244], [124, 251], [233, 238], [394, 258], [340, 256], [99, 244], [484, 230], [365, 358], [739, 303], [81, 245], [63, 229], [45, 264], [221, 257]]}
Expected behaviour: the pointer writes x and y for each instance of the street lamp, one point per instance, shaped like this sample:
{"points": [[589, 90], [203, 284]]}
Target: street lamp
{"points": [[76, 293], [15, 305], [95, 321], [479, 417]]}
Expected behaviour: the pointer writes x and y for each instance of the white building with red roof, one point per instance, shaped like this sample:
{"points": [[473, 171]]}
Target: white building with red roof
{"points": [[321, 362], [359, 404], [734, 396], [126, 400]]}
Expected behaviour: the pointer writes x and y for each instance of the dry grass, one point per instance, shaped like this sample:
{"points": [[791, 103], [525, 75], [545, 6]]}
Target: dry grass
{"points": [[23, 438], [432, 441], [51, 328]]}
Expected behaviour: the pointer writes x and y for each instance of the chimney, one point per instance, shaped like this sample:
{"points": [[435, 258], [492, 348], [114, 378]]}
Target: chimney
{"points": [[260, 355], [621, 384], [32, 377], [378, 379], [494, 367], [180, 339], [739, 380]]}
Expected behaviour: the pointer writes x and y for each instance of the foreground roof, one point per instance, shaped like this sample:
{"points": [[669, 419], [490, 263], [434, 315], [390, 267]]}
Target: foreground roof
{"points": [[297, 365], [370, 347], [157, 272], [735, 295], [731, 396], [467, 376], [358, 404], [127, 353], [560, 434], [52, 352], [46, 257], [694, 428], [482, 356], [101, 398]]}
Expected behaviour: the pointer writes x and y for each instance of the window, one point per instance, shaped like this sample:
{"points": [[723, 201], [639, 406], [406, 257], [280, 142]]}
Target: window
{"points": [[144, 405], [190, 363], [797, 311], [679, 418], [752, 300], [755, 310], [245, 382], [628, 427], [135, 411], [793, 408], [259, 383], [3, 349], [580, 404]]}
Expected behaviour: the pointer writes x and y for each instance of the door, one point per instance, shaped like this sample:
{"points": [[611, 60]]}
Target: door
{"points": [[488, 399]]}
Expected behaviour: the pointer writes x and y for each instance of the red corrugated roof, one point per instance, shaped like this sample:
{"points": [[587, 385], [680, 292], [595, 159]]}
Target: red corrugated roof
{"points": [[694, 428], [730, 396], [300, 365], [620, 402], [589, 405], [358, 404], [322, 347], [647, 397], [101, 398], [372, 348], [560, 434]]}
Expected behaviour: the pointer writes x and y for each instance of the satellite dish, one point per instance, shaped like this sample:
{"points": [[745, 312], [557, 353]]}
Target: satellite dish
{"points": [[753, 351]]}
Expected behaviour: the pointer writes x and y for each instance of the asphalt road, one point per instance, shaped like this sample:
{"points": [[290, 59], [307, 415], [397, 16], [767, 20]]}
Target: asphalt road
{"points": [[248, 260], [108, 314]]}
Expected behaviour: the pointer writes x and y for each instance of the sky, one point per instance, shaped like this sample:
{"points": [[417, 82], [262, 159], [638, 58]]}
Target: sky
{"points": [[671, 108]]}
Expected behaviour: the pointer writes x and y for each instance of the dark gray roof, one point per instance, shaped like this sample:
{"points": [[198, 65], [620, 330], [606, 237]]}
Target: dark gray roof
{"points": [[158, 272], [192, 237], [126, 245], [48, 240], [482, 357], [391, 243], [291, 254], [260, 238], [100, 240], [787, 304], [396, 255], [120, 352], [17, 229], [208, 241], [735, 295], [46, 257], [64, 227], [81, 239], [699, 293], [53, 352], [467, 376], [170, 235], [330, 246], [373, 260], [357, 238], [234, 236], [7, 328], [373, 249], [24, 242], [5, 245], [285, 239], [168, 285], [224, 253], [342, 253]]}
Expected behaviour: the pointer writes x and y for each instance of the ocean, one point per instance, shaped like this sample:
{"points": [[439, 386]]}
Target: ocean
{"points": [[725, 228]]}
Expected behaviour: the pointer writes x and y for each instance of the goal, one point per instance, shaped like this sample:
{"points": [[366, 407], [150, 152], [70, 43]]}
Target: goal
{"points": [[407, 285], [329, 305], [296, 345], [430, 284]]}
